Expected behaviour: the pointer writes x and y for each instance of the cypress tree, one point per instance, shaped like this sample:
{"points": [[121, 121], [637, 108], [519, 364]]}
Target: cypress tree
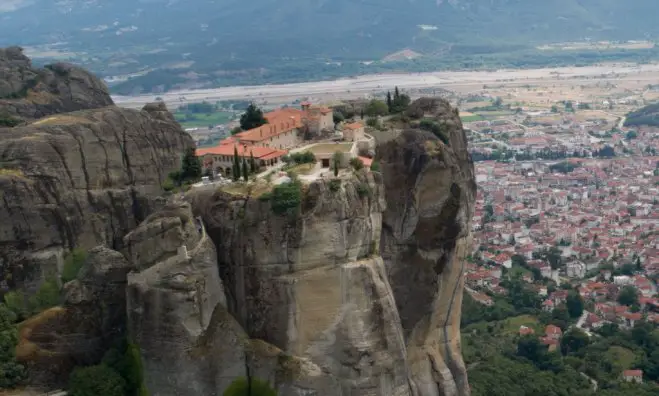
{"points": [[245, 170], [389, 101], [252, 162], [236, 164], [396, 94]]}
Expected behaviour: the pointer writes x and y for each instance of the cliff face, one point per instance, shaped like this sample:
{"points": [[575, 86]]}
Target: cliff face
{"points": [[357, 293], [430, 191], [75, 178]]}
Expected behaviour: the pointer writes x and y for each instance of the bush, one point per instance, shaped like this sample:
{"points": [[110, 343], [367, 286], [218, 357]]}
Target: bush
{"points": [[363, 190], [125, 359], [375, 166], [437, 129], [335, 185], [168, 185], [305, 157], [373, 122], [96, 381], [356, 163], [11, 372], [286, 198], [47, 296], [241, 387], [8, 121], [72, 264]]}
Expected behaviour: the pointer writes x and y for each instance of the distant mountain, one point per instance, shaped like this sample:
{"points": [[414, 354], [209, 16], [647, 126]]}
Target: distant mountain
{"points": [[238, 34]]}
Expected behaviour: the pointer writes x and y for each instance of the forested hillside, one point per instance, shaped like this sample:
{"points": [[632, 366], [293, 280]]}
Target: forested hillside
{"points": [[231, 41]]}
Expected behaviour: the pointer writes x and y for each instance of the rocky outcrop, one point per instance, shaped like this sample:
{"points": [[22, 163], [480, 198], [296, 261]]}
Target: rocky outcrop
{"points": [[357, 292], [312, 288], [28, 93], [81, 179], [173, 296], [91, 318], [430, 191]]}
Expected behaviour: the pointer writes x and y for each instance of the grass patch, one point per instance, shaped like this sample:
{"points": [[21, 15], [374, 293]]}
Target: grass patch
{"points": [[303, 169], [472, 118], [511, 325], [202, 120]]}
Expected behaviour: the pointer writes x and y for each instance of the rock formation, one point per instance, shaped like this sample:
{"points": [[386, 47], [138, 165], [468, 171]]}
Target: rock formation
{"points": [[91, 318], [27, 93], [74, 178], [430, 191]]}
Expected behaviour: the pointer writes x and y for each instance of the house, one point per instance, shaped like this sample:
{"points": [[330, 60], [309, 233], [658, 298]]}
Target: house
{"points": [[353, 132], [316, 118], [220, 159], [633, 376], [523, 330], [553, 332], [482, 298], [548, 305]]}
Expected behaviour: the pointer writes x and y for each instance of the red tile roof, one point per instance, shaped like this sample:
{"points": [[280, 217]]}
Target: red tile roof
{"points": [[354, 125]]}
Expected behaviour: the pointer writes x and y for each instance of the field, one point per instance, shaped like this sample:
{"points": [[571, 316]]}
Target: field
{"points": [[511, 325], [466, 116], [188, 120]]}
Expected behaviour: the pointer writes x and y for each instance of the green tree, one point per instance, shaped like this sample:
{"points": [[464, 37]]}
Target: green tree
{"points": [[336, 159], [376, 108], [11, 372], [245, 170], [252, 118], [356, 164], [236, 130], [72, 264], [255, 387], [190, 166], [236, 165], [252, 163], [574, 304], [554, 109], [573, 341], [569, 107], [389, 101], [628, 296], [95, 381]]}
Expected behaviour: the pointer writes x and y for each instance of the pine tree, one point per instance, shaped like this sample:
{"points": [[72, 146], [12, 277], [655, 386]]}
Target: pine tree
{"points": [[236, 164], [245, 170], [252, 162], [389, 101], [190, 166], [396, 94], [252, 118]]}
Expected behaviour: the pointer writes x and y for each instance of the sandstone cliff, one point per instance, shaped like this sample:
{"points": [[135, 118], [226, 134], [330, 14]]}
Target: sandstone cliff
{"points": [[358, 292], [430, 191], [84, 175]]}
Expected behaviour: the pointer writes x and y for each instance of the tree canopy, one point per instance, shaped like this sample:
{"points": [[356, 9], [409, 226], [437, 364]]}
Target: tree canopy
{"points": [[252, 118]]}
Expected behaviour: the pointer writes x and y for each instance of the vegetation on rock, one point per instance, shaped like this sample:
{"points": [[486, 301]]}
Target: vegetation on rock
{"points": [[12, 373], [95, 381], [254, 387], [72, 264]]}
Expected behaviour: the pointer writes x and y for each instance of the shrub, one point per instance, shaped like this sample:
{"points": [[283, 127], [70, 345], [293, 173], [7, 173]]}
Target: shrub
{"points": [[373, 122], [356, 163], [363, 190], [47, 296], [168, 185], [8, 121], [12, 373], [437, 129], [72, 264], [96, 381], [375, 166], [335, 185], [241, 387], [265, 197], [286, 198], [305, 157]]}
